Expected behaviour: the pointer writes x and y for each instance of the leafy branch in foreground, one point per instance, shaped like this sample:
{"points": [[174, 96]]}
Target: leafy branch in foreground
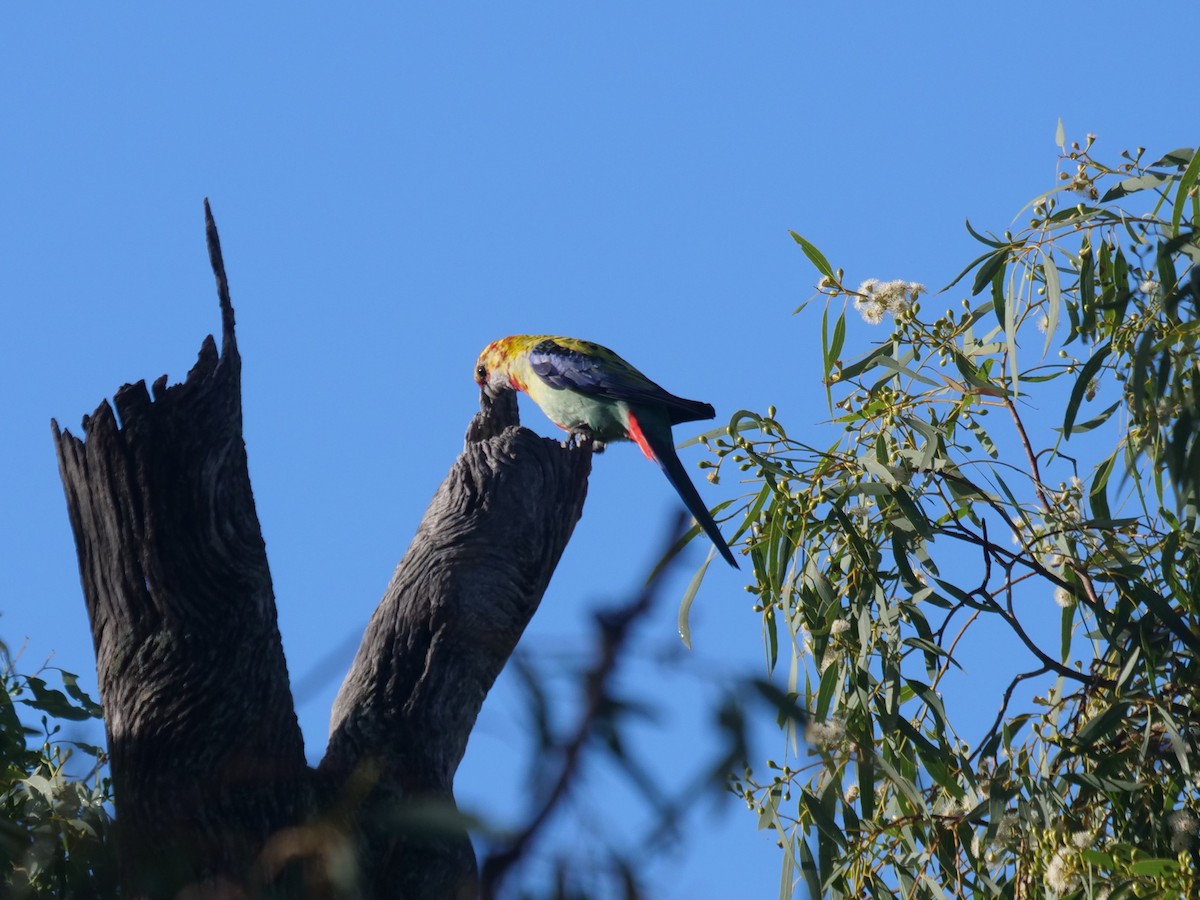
{"points": [[55, 834], [1039, 445]]}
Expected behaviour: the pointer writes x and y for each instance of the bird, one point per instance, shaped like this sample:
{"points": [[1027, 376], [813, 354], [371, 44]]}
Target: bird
{"points": [[595, 395]]}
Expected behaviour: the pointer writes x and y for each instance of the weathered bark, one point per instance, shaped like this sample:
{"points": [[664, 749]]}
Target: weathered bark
{"points": [[207, 761], [206, 753], [449, 620]]}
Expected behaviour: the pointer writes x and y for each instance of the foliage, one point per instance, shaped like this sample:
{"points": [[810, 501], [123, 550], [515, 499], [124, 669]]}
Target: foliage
{"points": [[1059, 409], [584, 713], [54, 823]]}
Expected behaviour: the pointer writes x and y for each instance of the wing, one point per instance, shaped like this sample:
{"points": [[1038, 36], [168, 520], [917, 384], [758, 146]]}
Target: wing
{"points": [[569, 364]]}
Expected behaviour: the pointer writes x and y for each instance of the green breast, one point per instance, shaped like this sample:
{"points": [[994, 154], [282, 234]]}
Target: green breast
{"points": [[607, 420]]}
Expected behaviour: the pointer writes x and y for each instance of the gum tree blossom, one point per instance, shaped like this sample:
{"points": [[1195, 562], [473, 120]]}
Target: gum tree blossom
{"points": [[878, 297]]}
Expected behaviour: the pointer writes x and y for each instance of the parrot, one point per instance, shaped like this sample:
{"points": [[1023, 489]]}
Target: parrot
{"points": [[595, 395]]}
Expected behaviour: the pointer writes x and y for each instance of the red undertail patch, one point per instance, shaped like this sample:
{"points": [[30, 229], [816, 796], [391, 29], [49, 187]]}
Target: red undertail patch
{"points": [[639, 437]]}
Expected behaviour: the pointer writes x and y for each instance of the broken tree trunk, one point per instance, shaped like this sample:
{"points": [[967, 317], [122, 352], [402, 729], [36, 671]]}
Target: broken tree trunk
{"points": [[212, 788], [449, 620]]}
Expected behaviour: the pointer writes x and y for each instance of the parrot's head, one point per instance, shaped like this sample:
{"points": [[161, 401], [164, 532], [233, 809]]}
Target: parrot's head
{"points": [[494, 369]]}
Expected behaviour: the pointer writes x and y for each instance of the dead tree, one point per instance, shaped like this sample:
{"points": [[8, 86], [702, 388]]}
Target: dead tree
{"points": [[213, 794]]}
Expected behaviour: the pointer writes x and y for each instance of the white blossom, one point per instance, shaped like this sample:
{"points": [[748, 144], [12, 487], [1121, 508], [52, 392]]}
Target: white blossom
{"points": [[1063, 598], [1008, 829], [877, 297], [1060, 875], [1149, 286], [825, 734], [871, 310], [839, 626], [1183, 826], [861, 512]]}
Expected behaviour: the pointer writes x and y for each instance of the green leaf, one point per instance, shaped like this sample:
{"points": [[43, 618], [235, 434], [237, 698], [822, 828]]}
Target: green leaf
{"points": [[1060, 136], [685, 605], [913, 515], [1067, 625], [1121, 290], [993, 265], [1186, 181], [1177, 742], [1097, 858], [1086, 374], [1053, 299], [829, 682], [1097, 421], [903, 785], [861, 365], [887, 362], [1177, 158], [54, 703], [1087, 291], [815, 256], [831, 348], [971, 265], [929, 697], [960, 595], [821, 817], [991, 242], [71, 685], [1100, 726], [839, 338], [1135, 184], [1009, 319], [808, 866], [1153, 868], [786, 876], [1165, 613]]}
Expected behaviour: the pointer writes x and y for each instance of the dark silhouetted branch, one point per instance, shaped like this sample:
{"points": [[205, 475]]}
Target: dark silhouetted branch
{"points": [[212, 790], [207, 757]]}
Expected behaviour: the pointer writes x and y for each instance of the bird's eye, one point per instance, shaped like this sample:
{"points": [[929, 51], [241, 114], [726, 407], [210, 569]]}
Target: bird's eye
{"points": [[481, 373]]}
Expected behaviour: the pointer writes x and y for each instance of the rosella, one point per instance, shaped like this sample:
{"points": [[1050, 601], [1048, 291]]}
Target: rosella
{"points": [[593, 394]]}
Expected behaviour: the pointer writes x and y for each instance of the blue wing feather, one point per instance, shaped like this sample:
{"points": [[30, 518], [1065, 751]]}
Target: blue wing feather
{"points": [[568, 364]]}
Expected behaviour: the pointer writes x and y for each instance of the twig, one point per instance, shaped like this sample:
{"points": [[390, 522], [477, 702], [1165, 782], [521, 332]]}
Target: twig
{"points": [[1085, 579], [1004, 706], [614, 627]]}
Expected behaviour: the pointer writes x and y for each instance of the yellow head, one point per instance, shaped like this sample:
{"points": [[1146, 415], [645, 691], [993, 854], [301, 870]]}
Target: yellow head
{"points": [[498, 368]]}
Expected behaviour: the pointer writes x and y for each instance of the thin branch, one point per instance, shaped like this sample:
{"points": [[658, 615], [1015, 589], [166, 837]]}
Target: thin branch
{"points": [[950, 650], [1008, 692], [1085, 579], [614, 628], [1010, 617]]}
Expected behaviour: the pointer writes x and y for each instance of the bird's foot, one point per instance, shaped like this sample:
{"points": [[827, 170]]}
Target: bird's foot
{"points": [[583, 435]]}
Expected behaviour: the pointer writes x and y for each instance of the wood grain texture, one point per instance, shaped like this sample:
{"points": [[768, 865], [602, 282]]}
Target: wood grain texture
{"points": [[206, 753], [456, 606], [213, 794]]}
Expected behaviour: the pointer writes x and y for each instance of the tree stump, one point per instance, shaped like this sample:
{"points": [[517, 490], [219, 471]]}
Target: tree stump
{"points": [[213, 793]]}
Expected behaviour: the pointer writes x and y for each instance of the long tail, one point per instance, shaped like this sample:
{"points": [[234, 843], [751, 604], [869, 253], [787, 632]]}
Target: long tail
{"points": [[661, 449]]}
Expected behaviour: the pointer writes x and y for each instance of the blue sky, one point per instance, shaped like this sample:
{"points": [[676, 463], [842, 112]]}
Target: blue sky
{"points": [[397, 187]]}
